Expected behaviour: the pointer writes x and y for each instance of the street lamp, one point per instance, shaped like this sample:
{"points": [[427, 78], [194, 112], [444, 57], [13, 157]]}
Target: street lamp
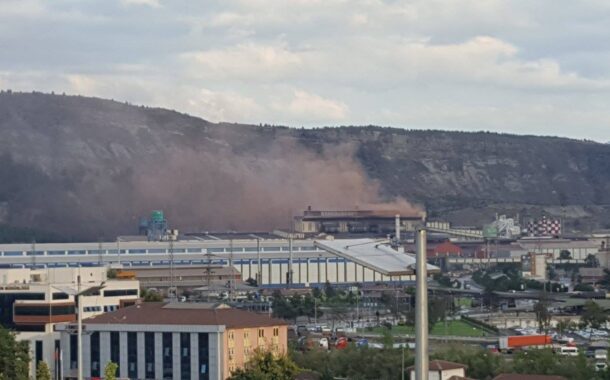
{"points": [[77, 293]]}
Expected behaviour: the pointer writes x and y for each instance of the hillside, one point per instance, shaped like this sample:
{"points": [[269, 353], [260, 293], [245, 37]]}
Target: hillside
{"points": [[86, 168]]}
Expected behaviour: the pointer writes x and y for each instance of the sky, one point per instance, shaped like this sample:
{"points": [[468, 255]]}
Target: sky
{"points": [[516, 66]]}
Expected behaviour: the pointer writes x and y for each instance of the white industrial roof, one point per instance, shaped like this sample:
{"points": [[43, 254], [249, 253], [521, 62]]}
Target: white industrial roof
{"points": [[373, 254]]}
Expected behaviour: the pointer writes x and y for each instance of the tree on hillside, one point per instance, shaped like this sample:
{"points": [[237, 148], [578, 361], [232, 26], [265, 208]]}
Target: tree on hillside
{"points": [[42, 371], [266, 366], [14, 357]]}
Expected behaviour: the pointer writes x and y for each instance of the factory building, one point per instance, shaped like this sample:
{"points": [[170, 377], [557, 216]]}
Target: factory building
{"points": [[380, 222], [195, 341], [266, 258], [33, 301]]}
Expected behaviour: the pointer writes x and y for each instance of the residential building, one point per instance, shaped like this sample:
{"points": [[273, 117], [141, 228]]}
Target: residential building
{"points": [[33, 301], [195, 341], [442, 370], [521, 376]]}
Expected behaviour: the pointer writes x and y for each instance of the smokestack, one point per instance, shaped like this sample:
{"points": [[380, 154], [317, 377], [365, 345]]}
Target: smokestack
{"points": [[421, 307], [397, 227]]}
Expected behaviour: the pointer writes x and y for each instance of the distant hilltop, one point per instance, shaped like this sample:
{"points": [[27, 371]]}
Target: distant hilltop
{"points": [[86, 168]]}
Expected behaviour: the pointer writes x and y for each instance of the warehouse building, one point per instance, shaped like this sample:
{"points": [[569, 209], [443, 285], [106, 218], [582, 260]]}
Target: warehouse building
{"points": [[266, 258]]}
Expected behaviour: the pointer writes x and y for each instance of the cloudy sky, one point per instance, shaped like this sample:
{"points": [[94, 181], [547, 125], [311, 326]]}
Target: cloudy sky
{"points": [[519, 66]]}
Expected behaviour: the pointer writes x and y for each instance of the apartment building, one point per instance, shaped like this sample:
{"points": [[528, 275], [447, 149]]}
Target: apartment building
{"points": [[180, 341], [34, 301]]}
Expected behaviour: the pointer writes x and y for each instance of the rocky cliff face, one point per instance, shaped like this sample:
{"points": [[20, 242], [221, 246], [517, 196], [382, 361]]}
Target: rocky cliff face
{"points": [[86, 168]]}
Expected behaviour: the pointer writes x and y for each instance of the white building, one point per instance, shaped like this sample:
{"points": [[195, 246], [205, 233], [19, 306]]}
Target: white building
{"points": [[442, 370], [33, 301]]}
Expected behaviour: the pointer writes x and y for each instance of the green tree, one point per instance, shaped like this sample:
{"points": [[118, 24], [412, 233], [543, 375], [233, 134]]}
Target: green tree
{"points": [[111, 273], [591, 261], [564, 326], [593, 315], [329, 291], [565, 255], [110, 371], [150, 296], [480, 363], [543, 316], [266, 366], [14, 357], [42, 371]]}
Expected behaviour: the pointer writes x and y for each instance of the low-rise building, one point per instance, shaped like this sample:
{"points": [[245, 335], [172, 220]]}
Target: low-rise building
{"points": [[521, 376], [33, 301], [173, 341], [442, 370]]}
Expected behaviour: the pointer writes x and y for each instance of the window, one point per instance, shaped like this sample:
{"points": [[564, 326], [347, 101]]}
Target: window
{"points": [[120, 292], [73, 351], [149, 354], [13, 253], [261, 333], [60, 296], [115, 349], [35, 253], [38, 351], [56, 253], [44, 310], [132, 355], [168, 365], [95, 354], [204, 356], [276, 331], [76, 252], [185, 356]]}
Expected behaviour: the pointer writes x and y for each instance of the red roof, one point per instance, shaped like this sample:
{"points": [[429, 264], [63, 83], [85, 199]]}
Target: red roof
{"points": [[445, 249], [519, 376], [441, 365]]}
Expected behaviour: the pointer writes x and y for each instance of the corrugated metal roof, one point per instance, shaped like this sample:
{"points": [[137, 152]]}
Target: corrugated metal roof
{"points": [[373, 254]]}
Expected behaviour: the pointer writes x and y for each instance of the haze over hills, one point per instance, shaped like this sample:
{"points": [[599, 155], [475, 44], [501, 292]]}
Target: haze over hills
{"points": [[85, 168]]}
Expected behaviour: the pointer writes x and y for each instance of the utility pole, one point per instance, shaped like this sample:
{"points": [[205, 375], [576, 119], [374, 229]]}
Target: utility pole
{"points": [[231, 280], [421, 307], [99, 251], [289, 274], [80, 329], [259, 265], [172, 285]]}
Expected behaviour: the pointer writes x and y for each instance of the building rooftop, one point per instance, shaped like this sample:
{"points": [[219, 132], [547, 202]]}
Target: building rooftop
{"points": [[372, 254], [520, 376], [159, 313], [441, 365]]}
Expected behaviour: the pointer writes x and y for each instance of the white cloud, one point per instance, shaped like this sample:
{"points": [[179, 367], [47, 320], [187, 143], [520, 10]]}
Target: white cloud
{"points": [[150, 3], [470, 64], [312, 107], [223, 106], [245, 61]]}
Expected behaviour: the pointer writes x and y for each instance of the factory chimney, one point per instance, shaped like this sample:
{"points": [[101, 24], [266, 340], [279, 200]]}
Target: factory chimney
{"points": [[397, 234]]}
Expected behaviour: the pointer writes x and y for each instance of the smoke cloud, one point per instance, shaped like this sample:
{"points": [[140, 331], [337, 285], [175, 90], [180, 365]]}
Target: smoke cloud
{"points": [[257, 190]]}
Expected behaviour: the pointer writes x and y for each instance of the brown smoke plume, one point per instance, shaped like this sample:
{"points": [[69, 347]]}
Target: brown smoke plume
{"points": [[257, 190]]}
